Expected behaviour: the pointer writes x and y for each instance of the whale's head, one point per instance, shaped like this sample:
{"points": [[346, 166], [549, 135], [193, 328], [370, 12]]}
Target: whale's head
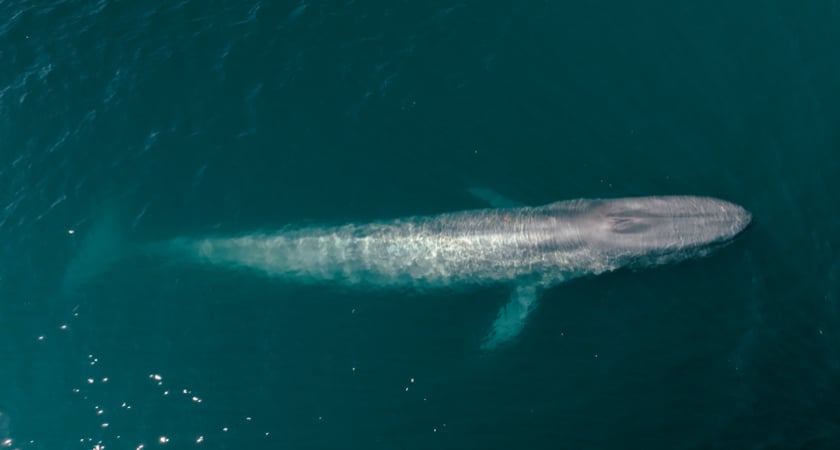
{"points": [[655, 230]]}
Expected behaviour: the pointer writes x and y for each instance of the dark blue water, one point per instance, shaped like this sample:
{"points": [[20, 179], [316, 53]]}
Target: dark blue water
{"points": [[175, 119]]}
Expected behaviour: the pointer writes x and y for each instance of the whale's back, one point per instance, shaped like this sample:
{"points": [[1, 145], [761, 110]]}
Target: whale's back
{"points": [[473, 247]]}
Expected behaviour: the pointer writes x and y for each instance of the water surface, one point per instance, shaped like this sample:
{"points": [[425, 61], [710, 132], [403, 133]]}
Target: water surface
{"points": [[188, 118]]}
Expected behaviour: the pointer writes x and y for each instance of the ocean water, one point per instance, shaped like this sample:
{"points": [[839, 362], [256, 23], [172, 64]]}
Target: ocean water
{"points": [[179, 119]]}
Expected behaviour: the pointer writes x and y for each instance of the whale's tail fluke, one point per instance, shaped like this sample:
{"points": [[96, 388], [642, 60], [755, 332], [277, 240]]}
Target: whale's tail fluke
{"points": [[101, 245]]}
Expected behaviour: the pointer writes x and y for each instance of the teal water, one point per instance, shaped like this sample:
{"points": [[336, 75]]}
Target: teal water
{"points": [[175, 119]]}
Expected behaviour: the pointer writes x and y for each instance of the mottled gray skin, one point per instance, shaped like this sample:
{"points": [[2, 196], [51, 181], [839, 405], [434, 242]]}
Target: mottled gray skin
{"points": [[539, 246]]}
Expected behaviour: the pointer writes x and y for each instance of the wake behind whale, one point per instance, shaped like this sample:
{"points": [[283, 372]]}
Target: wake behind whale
{"points": [[530, 248]]}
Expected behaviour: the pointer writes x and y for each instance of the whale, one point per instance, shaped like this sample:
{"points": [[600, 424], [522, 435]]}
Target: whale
{"points": [[528, 248]]}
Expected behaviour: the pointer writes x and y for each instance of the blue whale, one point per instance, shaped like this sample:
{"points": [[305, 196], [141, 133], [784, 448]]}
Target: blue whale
{"points": [[529, 248]]}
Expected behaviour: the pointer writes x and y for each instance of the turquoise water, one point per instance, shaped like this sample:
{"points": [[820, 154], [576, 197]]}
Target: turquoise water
{"points": [[173, 119]]}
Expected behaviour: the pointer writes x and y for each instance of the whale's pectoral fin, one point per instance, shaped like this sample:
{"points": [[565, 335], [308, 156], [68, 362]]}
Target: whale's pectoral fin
{"points": [[512, 316], [493, 198]]}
